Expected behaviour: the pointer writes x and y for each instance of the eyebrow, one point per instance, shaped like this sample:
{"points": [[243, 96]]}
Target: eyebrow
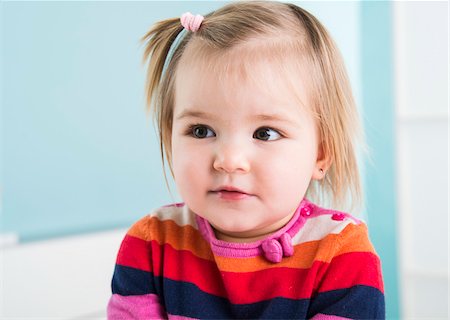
{"points": [[273, 117], [262, 117], [194, 114]]}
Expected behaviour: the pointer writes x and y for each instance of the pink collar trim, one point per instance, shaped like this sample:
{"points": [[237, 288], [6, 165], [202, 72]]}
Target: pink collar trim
{"points": [[274, 247]]}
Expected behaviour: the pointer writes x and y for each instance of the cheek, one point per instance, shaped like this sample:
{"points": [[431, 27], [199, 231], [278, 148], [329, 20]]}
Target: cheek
{"points": [[289, 168], [180, 160], [188, 163]]}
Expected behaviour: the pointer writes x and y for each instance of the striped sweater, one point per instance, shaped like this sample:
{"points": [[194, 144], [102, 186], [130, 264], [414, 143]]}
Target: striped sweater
{"points": [[321, 265]]}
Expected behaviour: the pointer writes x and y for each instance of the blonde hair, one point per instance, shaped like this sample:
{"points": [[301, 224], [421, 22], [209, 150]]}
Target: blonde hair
{"points": [[333, 104]]}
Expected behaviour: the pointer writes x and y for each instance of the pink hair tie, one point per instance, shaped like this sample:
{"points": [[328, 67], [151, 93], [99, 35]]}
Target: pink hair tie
{"points": [[191, 22]]}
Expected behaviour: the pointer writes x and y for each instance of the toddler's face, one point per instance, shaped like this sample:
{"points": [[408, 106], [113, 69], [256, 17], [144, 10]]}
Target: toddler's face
{"points": [[243, 153]]}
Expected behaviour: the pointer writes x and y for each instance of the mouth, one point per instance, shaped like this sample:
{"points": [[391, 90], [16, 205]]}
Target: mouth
{"points": [[230, 193]]}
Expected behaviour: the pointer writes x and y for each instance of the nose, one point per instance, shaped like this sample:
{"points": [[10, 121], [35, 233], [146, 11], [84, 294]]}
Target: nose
{"points": [[231, 158]]}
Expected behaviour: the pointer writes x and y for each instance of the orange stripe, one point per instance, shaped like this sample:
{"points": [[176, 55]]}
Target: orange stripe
{"points": [[354, 237], [168, 232]]}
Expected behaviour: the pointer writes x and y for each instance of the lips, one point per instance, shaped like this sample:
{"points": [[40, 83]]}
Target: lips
{"points": [[230, 193], [228, 189]]}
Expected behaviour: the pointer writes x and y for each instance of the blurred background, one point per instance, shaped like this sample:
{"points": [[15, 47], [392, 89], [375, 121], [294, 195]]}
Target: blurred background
{"points": [[80, 159]]}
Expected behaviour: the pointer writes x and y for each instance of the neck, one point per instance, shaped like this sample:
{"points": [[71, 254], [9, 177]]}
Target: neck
{"points": [[253, 235]]}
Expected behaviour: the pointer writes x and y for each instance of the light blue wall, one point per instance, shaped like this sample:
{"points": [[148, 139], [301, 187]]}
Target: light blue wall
{"points": [[379, 121], [79, 152]]}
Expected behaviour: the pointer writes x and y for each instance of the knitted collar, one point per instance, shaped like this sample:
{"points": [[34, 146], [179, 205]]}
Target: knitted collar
{"points": [[274, 247]]}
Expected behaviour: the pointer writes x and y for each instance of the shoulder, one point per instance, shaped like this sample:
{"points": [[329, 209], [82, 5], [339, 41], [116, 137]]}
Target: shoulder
{"points": [[337, 232], [349, 280], [343, 249], [162, 220], [172, 227]]}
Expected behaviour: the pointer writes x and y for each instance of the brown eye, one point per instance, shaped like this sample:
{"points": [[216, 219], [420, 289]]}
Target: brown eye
{"points": [[266, 134], [202, 132]]}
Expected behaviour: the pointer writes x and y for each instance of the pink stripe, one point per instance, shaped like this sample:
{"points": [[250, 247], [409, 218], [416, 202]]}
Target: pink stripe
{"points": [[321, 316], [174, 317], [135, 307]]}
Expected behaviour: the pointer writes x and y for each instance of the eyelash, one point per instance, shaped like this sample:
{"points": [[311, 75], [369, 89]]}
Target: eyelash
{"points": [[191, 128]]}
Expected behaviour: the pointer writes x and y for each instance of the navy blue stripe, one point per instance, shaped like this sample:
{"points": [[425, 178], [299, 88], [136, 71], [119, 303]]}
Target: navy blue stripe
{"points": [[186, 299], [277, 308], [358, 302], [129, 281]]}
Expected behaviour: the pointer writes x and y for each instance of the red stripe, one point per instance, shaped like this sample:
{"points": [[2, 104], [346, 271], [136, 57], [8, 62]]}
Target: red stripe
{"points": [[350, 269], [181, 265], [345, 271], [135, 253]]}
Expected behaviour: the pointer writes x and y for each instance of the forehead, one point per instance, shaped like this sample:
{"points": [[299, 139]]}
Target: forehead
{"points": [[254, 72]]}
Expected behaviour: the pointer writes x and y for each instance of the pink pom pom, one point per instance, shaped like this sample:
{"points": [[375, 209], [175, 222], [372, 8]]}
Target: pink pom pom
{"points": [[191, 22], [286, 243], [272, 250]]}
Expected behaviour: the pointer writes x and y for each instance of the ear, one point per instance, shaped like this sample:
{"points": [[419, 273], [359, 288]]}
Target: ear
{"points": [[323, 163]]}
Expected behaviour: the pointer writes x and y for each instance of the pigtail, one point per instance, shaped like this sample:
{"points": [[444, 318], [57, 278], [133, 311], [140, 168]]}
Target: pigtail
{"points": [[158, 41], [157, 44]]}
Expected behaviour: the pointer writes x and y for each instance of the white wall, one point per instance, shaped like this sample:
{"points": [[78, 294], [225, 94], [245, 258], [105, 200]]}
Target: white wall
{"points": [[421, 68], [62, 278]]}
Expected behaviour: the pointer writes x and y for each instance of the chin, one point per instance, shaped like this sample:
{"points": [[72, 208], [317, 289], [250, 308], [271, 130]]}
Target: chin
{"points": [[237, 228]]}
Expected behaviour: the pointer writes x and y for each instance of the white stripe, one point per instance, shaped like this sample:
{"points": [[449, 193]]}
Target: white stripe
{"points": [[182, 216], [317, 228]]}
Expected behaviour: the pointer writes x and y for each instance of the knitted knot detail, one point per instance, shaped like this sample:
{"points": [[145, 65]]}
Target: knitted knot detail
{"points": [[276, 249]]}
